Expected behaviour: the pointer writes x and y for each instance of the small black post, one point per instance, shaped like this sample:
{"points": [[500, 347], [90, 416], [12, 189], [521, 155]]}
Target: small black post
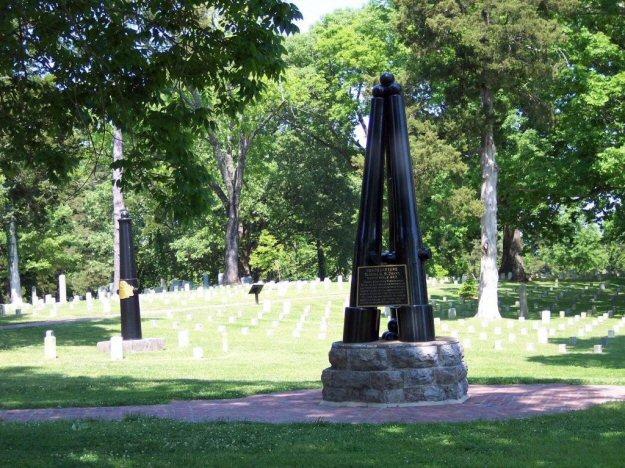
{"points": [[256, 297], [128, 283]]}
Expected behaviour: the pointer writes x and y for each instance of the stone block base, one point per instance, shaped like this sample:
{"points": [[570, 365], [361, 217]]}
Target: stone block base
{"points": [[135, 346], [393, 373]]}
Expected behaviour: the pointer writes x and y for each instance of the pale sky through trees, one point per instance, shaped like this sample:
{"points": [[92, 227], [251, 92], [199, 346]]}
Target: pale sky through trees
{"points": [[313, 10]]}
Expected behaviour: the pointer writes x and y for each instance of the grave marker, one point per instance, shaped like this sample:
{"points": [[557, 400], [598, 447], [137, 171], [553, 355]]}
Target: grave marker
{"points": [[49, 345], [117, 348], [183, 338]]}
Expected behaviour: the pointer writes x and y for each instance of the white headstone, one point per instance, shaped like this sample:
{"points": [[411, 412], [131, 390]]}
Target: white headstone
{"points": [[183, 338], [117, 348], [562, 348], [198, 353], [543, 336], [545, 316], [62, 289], [597, 349], [452, 313], [49, 345]]}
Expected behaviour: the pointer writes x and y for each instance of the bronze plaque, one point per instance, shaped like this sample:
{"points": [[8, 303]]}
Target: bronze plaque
{"points": [[382, 285]]}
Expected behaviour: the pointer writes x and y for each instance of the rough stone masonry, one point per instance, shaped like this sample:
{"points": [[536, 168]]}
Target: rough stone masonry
{"points": [[396, 373]]}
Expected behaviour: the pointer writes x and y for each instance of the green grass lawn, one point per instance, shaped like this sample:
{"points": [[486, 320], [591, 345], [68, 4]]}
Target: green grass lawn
{"points": [[258, 363], [593, 437]]}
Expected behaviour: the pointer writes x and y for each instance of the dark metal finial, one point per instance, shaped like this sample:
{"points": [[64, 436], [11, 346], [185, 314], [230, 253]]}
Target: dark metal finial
{"points": [[387, 79], [124, 214], [388, 84]]}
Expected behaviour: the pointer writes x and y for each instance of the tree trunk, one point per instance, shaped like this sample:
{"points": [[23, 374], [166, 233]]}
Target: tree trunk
{"points": [[523, 309], [231, 273], [245, 251], [488, 306], [118, 201], [512, 260], [14, 264], [321, 262]]}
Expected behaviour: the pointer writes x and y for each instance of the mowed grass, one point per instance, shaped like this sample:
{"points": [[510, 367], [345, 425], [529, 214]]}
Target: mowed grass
{"points": [[593, 437], [257, 363]]}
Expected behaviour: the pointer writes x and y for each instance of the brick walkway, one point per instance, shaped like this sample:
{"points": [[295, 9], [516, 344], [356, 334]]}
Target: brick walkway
{"points": [[486, 402]]}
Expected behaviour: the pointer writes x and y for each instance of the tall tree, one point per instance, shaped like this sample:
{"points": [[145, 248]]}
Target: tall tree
{"points": [[496, 52], [231, 145], [118, 198], [127, 64]]}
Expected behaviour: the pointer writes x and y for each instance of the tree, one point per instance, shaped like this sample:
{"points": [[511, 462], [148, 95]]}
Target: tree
{"points": [[314, 179], [118, 198], [129, 64], [474, 60], [589, 131], [231, 144]]}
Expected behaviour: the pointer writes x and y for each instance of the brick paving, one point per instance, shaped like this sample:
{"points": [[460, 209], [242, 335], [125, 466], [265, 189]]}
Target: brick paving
{"points": [[486, 402]]}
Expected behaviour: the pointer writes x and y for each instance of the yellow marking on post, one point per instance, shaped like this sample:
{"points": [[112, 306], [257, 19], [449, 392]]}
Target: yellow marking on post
{"points": [[125, 290]]}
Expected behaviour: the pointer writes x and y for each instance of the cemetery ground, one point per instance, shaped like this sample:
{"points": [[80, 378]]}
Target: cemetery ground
{"points": [[274, 347], [593, 437]]}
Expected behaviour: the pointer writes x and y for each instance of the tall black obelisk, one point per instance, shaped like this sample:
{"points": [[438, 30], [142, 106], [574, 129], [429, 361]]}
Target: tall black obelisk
{"points": [[396, 277]]}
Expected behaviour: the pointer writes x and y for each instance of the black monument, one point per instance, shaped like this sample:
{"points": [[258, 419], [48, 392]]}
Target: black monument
{"points": [[129, 296], [395, 277], [410, 366], [128, 283]]}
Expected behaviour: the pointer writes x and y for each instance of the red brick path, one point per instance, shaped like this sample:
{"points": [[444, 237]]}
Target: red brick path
{"points": [[486, 402]]}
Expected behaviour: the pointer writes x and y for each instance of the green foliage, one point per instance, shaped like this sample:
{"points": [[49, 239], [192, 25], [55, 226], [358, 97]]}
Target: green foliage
{"points": [[133, 64], [556, 74], [585, 253], [276, 261], [468, 290]]}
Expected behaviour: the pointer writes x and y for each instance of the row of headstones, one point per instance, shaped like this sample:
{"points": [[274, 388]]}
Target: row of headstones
{"points": [[255, 321], [116, 342], [543, 332]]}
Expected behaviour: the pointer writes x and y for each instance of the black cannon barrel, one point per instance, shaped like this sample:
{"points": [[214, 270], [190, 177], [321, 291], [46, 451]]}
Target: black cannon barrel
{"points": [[415, 321], [128, 282], [362, 324]]}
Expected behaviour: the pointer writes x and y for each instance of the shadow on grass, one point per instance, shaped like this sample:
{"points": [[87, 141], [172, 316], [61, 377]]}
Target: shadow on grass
{"points": [[67, 334], [592, 437], [30, 387], [613, 356]]}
